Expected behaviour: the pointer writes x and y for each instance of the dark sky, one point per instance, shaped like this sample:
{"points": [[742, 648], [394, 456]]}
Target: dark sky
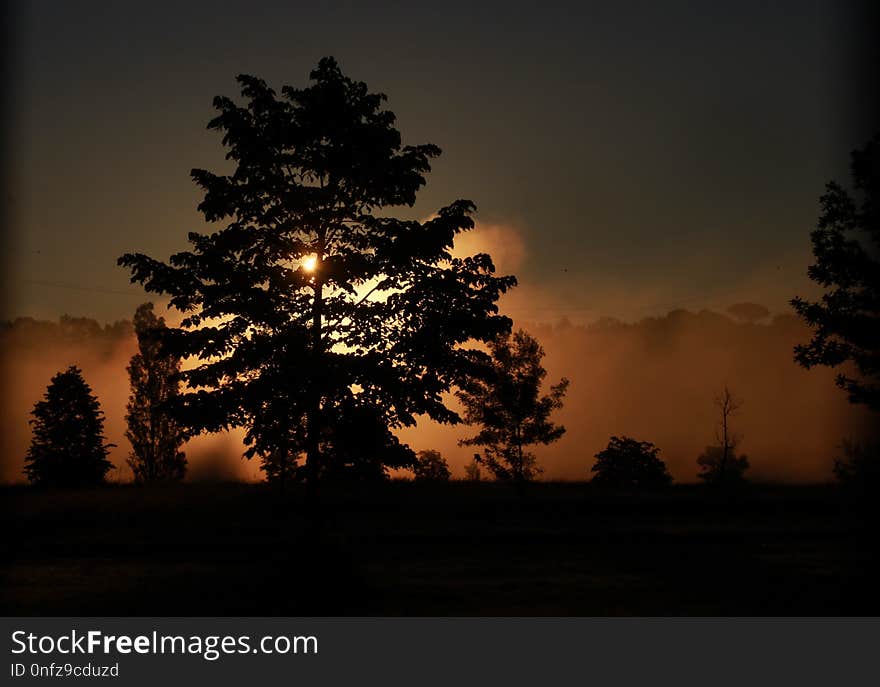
{"points": [[645, 155]]}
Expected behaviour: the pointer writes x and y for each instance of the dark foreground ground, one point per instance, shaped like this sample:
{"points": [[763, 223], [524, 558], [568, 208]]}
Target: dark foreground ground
{"points": [[457, 549]]}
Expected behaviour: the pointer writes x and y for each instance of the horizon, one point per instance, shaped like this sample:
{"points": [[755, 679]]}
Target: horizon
{"points": [[794, 412]]}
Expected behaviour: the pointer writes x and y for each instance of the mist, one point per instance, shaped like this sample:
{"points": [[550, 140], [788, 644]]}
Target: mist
{"points": [[654, 379], [33, 351]]}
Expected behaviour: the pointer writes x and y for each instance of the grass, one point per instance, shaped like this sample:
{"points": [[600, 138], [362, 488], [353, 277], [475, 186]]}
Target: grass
{"points": [[405, 548]]}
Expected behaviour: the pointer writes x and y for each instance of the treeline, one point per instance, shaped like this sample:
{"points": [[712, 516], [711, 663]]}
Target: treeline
{"points": [[619, 370], [654, 380], [27, 333]]}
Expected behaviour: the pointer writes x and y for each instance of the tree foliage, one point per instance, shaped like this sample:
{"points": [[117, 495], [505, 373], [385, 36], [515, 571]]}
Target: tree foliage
{"points": [[472, 472], [153, 431], [627, 463], [319, 321], [846, 246], [718, 466], [430, 466], [505, 401], [860, 464], [67, 447]]}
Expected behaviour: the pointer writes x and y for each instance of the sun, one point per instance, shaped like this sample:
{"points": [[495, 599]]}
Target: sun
{"points": [[309, 263]]}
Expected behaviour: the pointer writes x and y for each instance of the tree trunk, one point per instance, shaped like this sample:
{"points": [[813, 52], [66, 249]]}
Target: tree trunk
{"points": [[282, 474], [313, 458], [724, 443], [519, 478]]}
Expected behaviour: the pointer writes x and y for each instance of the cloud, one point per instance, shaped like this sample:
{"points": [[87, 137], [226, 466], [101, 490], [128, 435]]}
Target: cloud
{"points": [[503, 242]]}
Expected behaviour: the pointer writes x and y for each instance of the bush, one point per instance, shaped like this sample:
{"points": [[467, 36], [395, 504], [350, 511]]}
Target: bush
{"points": [[472, 472], [860, 465], [718, 468], [628, 463], [431, 467]]}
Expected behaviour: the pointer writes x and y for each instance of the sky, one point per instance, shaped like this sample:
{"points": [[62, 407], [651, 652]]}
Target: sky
{"points": [[634, 156]]}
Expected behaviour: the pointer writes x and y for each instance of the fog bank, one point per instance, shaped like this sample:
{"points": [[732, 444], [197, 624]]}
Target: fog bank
{"points": [[654, 379]]}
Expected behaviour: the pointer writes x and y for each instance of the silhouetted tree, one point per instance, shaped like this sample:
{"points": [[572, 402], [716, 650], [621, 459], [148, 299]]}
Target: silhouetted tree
{"points": [[505, 400], [321, 321], [860, 464], [720, 467], [278, 466], [627, 463], [67, 448], [719, 464], [846, 245], [430, 466], [472, 472], [154, 433]]}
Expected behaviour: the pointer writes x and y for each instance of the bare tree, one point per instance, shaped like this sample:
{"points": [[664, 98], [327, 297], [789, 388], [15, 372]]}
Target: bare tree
{"points": [[727, 406], [720, 463]]}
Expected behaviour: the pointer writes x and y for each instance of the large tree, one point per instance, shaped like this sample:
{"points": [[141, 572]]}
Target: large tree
{"points": [[315, 318], [846, 247], [505, 401], [67, 448], [153, 431]]}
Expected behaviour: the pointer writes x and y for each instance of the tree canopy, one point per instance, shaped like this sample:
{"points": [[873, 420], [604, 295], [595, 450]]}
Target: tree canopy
{"points": [[315, 318], [153, 431], [67, 447], [472, 472], [505, 401], [859, 466], [846, 246], [431, 466], [628, 463], [718, 466]]}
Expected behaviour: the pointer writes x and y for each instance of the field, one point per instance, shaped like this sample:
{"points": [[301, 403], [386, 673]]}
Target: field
{"points": [[452, 550]]}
